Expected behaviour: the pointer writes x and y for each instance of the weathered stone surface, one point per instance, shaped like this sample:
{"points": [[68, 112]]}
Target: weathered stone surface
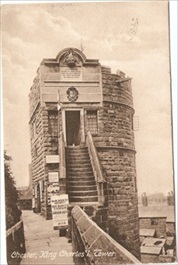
{"points": [[90, 235], [165, 259], [159, 224], [96, 245], [83, 224]]}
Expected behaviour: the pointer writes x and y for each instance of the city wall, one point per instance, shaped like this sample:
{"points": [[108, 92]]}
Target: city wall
{"points": [[93, 245]]}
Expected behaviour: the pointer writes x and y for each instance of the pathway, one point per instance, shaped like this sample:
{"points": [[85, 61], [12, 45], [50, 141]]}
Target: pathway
{"points": [[43, 244]]}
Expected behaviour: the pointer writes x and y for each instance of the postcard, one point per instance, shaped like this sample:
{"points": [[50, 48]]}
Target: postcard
{"points": [[88, 110]]}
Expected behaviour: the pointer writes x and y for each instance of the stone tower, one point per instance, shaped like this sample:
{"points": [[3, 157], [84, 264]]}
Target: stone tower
{"points": [[115, 145], [82, 142]]}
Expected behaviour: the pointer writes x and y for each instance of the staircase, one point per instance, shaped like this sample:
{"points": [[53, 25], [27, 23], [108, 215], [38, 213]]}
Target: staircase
{"points": [[81, 184]]}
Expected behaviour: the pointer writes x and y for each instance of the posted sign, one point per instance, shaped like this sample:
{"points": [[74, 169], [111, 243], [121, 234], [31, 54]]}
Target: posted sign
{"points": [[59, 205]]}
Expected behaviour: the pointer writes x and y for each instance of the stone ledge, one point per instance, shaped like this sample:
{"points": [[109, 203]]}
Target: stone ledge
{"points": [[119, 103], [116, 147], [100, 247]]}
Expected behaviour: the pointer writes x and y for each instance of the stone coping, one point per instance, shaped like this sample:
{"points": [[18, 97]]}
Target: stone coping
{"points": [[84, 223]]}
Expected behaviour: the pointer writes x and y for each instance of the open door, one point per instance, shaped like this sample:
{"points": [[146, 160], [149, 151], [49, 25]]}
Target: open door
{"points": [[73, 132]]}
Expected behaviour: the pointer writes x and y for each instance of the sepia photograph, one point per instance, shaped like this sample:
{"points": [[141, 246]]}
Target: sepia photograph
{"points": [[88, 163]]}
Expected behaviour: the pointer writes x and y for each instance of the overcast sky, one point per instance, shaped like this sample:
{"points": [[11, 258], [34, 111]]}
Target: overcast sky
{"points": [[33, 32]]}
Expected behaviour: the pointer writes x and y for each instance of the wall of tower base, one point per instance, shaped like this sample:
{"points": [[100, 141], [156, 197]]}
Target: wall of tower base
{"points": [[123, 222]]}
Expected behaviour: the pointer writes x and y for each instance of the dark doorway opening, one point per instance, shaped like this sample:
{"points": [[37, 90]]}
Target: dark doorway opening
{"points": [[73, 136]]}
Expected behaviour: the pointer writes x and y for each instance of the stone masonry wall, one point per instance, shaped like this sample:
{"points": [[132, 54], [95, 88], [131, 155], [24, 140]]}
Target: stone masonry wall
{"points": [[43, 142], [37, 147], [91, 245], [149, 258], [36, 139], [116, 88], [122, 198], [115, 126], [170, 228], [115, 146], [50, 134], [159, 225], [50, 147]]}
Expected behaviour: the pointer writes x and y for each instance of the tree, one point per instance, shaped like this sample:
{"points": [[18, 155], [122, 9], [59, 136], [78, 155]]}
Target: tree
{"points": [[11, 194]]}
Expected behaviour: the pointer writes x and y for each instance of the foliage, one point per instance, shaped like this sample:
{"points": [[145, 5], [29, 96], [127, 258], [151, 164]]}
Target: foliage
{"points": [[11, 194]]}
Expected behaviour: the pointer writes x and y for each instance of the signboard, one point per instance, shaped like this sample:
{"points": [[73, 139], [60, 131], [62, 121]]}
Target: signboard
{"points": [[59, 204], [52, 159], [73, 73], [53, 177], [53, 189]]}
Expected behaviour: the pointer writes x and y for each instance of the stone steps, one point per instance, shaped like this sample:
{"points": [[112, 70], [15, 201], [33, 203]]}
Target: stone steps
{"points": [[79, 152], [78, 168], [83, 198], [79, 173], [81, 185], [79, 178], [77, 157], [83, 193], [85, 183], [79, 188], [77, 160], [76, 148], [79, 163]]}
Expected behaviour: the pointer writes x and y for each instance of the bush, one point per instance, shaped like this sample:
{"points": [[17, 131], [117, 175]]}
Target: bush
{"points": [[11, 195]]}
